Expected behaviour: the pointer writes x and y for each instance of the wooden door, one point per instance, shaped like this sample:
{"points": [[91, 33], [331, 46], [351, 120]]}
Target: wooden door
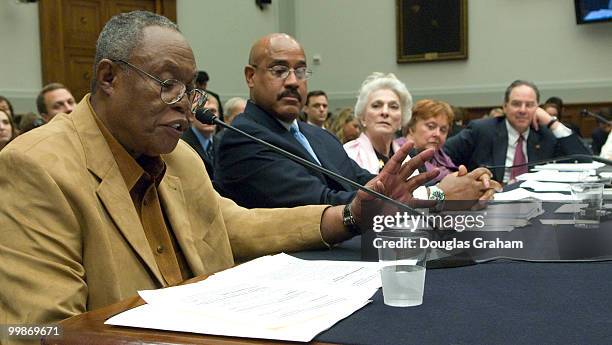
{"points": [[69, 30]]}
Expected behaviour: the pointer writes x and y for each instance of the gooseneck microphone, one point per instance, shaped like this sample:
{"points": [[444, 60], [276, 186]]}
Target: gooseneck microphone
{"points": [[585, 113], [207, 117], [554, 160]]}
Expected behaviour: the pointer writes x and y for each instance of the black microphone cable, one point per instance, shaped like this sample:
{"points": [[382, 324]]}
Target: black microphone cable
{"points": [[207, 117]]}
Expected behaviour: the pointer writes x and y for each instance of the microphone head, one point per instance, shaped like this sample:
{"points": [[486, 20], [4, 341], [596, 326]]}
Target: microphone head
{"points": [[584, 112], [205, 116]]}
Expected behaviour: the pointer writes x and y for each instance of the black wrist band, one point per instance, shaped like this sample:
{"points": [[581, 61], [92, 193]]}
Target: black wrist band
{"points": [[551, 122], [349, 221]]}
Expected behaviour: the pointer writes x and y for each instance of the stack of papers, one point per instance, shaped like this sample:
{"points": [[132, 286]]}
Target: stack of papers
{"points": [[523, 194], [274, 297], [539, 186], [503, 216], [559, 176], [589, 167]]}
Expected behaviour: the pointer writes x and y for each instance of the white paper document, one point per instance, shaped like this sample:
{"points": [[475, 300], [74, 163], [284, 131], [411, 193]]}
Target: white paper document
{"points": [[522, 194], [539, 186], [570, 166], [559, 176], [274, 297]]}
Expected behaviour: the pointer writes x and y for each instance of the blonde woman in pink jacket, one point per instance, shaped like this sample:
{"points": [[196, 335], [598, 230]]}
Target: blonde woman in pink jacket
{"points": [[383, 106]]}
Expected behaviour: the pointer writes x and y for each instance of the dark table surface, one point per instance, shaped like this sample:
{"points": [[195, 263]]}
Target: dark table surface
{"points": [[499, 302]]}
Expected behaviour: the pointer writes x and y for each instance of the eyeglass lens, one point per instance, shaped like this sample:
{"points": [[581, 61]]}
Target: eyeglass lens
{"points": [[198, 99], [282, 72]]}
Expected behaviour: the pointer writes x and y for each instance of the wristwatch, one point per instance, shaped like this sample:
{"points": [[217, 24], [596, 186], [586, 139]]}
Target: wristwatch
{"points": [[349, 221], [435, 193], [553, 119]]}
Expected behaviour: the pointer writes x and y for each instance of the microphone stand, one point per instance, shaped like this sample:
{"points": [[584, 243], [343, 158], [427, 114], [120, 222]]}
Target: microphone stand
{"points": [[207, 117], [585, 113]]}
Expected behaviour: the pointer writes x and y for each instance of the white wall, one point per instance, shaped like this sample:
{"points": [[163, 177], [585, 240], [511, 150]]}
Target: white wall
{"points": [[508, 40], [537, 40], [20, 67], [221, 33]]}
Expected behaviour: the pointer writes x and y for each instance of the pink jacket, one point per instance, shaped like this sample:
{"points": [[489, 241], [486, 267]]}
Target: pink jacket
{"points": [[362, 152]]}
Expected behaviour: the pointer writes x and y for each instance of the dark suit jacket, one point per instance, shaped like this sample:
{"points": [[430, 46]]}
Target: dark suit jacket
{"points": [[599, 140], [255, 176], [485, 142], [190, 138]]}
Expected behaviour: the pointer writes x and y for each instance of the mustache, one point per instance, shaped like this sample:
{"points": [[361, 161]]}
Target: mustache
{"points": [[289, 93]]}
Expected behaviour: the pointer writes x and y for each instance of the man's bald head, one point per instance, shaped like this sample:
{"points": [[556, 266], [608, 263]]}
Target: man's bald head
{"points": [[267, 44], [280, 97]]}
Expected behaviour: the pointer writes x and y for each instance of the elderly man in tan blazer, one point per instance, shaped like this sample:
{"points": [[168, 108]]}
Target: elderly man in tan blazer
{"points": [[103, 203]]}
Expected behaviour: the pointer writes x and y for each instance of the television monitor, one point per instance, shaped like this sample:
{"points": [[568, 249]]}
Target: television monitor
{"points": [[593, 11]]}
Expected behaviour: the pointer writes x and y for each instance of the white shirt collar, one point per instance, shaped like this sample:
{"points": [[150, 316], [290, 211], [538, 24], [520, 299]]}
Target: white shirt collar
{"points": [[513, 134], [287, 125]]}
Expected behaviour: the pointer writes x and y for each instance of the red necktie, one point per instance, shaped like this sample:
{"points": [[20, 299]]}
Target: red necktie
{"points": [[519, 158]]}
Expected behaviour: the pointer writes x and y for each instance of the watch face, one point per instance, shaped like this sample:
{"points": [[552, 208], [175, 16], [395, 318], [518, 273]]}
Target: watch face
{"points": [[437, 195]]}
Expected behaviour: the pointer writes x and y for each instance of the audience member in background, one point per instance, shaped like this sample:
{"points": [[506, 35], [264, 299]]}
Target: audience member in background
{"points": [[233, 107], [496, 112], [494, 142], [383, 107], [202, 83], [30, 121], [6, 106], [256, 176], [8, 130], [428, 128], [53, 99], [315, 108], [200, 137], [460, 114], [601, 132], [554, 106], [345, 126]]}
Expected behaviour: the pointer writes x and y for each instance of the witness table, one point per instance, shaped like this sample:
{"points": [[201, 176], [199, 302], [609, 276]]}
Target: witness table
{"points": [[501, 302]]}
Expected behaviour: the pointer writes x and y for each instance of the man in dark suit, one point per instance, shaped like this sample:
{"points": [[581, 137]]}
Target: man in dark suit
{"points": [[255, 176], [494, 141], [201, 137]]}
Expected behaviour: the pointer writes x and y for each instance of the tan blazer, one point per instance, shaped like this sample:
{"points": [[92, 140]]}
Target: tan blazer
{"points": [[71, 240]]}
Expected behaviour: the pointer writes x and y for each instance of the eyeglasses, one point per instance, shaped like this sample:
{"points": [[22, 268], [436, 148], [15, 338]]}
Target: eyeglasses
{"points": [[282, 72], [172, 90]]}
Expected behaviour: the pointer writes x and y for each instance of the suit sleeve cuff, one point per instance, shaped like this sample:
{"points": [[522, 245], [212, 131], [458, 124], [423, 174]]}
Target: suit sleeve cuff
{"points": [[421, 193]]}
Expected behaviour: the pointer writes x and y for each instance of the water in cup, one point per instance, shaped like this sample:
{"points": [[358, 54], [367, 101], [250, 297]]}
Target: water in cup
{"points": [[403, 285]]}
